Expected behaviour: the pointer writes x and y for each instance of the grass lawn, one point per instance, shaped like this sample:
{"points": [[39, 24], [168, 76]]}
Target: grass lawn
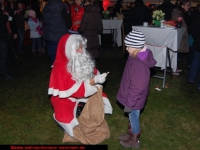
{"points": [[170, 120]]}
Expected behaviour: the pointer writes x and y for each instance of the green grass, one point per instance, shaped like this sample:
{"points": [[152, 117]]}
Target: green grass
{"points": [[170, 120]]}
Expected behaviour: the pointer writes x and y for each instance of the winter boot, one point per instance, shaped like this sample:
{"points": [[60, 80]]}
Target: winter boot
{"points": [[126, 135], [132, 142]]}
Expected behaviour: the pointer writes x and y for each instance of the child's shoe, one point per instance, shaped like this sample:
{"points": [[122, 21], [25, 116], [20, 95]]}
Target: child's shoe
{"points": [[175, 73], [132, 141], [126, 135], [178, 70]]}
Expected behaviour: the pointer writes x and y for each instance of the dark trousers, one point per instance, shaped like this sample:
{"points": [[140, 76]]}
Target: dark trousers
{"points": [[11, 52], [52, 49], [195, 67], [3, 57], [21, 33], [36, 43]]}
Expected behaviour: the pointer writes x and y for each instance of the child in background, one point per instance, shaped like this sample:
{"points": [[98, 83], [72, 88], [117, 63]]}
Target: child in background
{"points": [[35, 33], [134, 85]]}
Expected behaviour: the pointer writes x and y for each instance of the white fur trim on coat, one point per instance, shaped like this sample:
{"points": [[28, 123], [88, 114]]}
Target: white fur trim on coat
{"points": [[107, 106], [89, 90], [68, 127]]}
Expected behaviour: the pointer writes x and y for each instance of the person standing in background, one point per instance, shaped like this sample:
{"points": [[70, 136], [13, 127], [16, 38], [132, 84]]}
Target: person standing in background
{"points": [[35, 33], [90, 29], [3, 45], [56, 24], [167, 8], [195, 63], [117, 8], [139, 13], [68, 7], [20, 22], [11, 41], [183, 13], [77, 11]]}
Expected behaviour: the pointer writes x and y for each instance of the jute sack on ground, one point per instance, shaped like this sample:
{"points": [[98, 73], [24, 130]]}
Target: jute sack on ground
{"points": [[92, 128]]}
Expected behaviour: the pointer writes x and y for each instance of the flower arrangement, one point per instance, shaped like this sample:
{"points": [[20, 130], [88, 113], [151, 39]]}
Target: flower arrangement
{"points": [[105, 13], [158, 15]]}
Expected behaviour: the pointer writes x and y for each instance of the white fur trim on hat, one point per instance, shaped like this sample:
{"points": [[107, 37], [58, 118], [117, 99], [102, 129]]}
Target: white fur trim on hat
{"points": [[135, 39], [68, 46]]}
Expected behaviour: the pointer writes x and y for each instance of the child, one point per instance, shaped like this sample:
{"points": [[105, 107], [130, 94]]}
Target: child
{"points": [[35, 33], [134, 85]]}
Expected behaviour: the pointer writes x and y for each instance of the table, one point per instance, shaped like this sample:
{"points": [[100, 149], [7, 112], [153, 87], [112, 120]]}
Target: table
{"points": [[112, 26], [164, 44]]}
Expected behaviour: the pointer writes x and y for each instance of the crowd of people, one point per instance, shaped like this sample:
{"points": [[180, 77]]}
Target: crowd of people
{"points": [[70, 33]]}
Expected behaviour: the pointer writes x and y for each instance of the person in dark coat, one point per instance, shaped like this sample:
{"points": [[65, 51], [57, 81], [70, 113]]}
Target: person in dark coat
{"points": [[12, 37], [19, 20], [139, 13], [195, 31], [90, 28], [3, 45], [117, 8], [167, 8], [56, 24]]}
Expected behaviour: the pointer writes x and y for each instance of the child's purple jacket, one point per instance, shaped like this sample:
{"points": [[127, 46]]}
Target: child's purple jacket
{"points": [[134, 85]]}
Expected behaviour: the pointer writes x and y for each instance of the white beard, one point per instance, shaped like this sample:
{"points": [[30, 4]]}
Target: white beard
{"points": [[81, 66]]}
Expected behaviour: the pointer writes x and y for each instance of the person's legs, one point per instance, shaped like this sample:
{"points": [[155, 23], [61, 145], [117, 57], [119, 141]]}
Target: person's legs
{"points": [[39, 44], [33, 47], [189, 58], [195, 66], [134, 117], [11, 53], [20, 41], [52, 48], [3, 58], [134, 135]]}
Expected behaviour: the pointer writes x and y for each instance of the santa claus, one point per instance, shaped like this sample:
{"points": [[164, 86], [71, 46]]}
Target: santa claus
{"points": [[73, 79]]}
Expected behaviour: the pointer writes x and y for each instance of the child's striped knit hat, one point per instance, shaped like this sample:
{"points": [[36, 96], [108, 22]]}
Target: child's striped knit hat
{"points": [[135, 39]]}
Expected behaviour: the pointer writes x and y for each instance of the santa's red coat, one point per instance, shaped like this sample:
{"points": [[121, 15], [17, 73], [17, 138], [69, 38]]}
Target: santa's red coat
{"points": [[66, 92]]}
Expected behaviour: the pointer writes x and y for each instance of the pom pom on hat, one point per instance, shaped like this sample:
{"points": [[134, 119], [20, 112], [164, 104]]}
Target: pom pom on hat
{"points": [[135, 39], [31, 13]]}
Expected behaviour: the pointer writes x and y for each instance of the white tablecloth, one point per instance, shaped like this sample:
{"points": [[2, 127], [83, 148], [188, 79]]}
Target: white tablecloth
{"points": [[112, 24], [158, 39]]}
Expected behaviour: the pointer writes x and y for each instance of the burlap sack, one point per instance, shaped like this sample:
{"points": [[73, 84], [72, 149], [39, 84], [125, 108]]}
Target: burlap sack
{"points": [[92, 128]]}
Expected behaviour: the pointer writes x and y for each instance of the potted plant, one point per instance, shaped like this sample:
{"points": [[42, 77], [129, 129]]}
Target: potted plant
{"points": [[105, 14], [157, 16]]}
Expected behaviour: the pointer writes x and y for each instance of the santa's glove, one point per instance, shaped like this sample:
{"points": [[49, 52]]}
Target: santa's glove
{"points": [[100, 78]]}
